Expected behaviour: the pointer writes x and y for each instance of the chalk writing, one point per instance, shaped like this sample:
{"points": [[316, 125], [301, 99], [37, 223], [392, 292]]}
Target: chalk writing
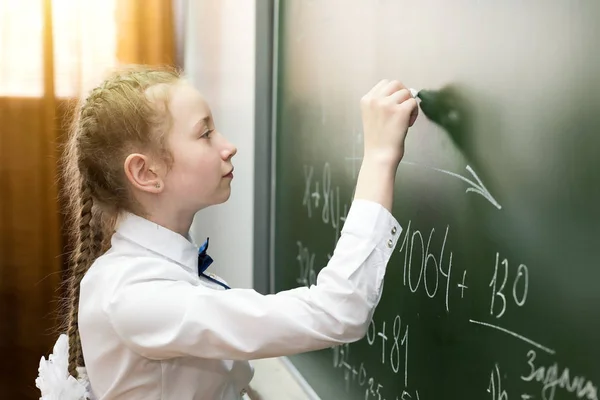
{"points": [[433, 272], [306, 261], [306, 200], [462, 285], [396, 354], [324, 195], [358, 375], [430, 268], [477, 188], [552, 378], [519, 295], [495, 386], [407, 396], [514, 334], [316, 195]]}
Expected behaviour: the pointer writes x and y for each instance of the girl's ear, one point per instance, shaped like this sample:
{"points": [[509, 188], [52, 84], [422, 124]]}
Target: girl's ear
{"points": [[142, 174]]}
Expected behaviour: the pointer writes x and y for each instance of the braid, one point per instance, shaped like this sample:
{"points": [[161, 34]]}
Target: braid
{"points": [[83, 258], [98, 234], [117, 116]]}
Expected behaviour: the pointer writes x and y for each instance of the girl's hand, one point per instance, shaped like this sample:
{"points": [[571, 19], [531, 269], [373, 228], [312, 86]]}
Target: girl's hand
{"points": [[388, 110]]}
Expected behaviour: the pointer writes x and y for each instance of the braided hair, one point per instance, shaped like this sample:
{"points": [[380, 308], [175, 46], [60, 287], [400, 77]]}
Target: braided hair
{"points": [[127, 112]]}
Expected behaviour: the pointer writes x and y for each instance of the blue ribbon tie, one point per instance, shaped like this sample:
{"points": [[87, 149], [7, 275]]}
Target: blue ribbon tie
{"points": [[204, 261]]}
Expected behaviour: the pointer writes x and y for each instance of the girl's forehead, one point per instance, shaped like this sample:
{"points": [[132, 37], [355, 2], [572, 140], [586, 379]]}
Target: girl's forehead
{"points": [[187, 102]]}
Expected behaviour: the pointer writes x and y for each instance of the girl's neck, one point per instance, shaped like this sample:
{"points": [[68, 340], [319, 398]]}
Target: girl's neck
{"points": [[176, 222]]}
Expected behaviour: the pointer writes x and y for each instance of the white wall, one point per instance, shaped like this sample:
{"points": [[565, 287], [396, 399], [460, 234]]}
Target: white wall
{"points": [[220, 61]]}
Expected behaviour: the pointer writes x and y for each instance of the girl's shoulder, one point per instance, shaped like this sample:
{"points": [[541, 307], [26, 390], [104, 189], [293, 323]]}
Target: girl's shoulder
{"points": [[118, 268]]}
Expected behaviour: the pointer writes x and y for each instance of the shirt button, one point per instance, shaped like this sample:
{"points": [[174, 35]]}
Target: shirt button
{"points": [[394, 230], [390, 243]]}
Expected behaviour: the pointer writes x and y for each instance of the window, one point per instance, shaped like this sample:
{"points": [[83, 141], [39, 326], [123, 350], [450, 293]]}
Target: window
{"points": [[84, 41]]}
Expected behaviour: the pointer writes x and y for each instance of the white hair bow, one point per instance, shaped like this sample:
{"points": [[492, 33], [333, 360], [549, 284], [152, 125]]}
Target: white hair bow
{"points": [[54, 380]]}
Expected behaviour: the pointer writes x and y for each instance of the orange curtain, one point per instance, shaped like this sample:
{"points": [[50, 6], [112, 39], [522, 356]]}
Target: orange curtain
{"points": [[32, 243], [145, 32]]}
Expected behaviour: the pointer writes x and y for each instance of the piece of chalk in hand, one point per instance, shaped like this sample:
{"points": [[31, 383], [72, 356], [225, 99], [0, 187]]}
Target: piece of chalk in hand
{"points": [[413, 92]]}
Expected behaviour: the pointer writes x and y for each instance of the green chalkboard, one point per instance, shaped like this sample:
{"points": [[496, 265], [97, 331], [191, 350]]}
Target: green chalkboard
{"points": [[493, 291]]}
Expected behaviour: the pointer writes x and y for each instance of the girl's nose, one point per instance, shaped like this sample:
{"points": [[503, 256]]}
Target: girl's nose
{"points": [[229, 150]]}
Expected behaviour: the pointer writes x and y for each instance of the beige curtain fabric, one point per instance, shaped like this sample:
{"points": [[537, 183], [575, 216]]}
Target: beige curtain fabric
{"points": [[50, 52]]}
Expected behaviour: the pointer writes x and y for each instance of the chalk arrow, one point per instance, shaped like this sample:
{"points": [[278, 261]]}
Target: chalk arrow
{"points": [[478, 187]]}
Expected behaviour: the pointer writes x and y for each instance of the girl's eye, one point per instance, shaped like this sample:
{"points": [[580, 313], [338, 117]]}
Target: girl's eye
{"points": [[206, 135]]}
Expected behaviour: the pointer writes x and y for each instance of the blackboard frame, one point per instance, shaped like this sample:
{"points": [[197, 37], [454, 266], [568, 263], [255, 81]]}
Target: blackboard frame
{"points": [[263, 136]]}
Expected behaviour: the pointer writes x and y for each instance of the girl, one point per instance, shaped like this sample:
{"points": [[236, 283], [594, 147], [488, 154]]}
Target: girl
{"points": [[145, 321]]}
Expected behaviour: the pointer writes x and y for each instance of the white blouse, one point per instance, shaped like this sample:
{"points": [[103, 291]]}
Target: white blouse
{"points": [[151, 328]]}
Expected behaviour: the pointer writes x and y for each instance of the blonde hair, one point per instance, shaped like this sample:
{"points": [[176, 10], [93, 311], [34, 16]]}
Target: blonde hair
{"points": [[127, 112]]}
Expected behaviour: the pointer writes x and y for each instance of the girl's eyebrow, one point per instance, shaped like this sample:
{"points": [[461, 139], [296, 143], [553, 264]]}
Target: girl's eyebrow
{"points": [[204, 121]]}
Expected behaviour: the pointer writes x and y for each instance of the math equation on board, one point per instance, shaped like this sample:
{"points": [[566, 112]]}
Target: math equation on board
{"points": [[432, 271]]}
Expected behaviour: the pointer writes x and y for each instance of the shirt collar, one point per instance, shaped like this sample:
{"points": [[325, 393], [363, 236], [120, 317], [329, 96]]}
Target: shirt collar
{"points": [[160, 240]]}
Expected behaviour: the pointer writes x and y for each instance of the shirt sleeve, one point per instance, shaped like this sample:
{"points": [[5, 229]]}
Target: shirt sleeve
{"points": [[164, 318]]}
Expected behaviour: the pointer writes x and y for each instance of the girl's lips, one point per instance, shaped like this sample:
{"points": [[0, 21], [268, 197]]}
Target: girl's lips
{"points": [[229, 175]]}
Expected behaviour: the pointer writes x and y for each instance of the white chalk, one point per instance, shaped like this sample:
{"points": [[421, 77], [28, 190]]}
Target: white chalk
{"points": [[413, 92]]}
